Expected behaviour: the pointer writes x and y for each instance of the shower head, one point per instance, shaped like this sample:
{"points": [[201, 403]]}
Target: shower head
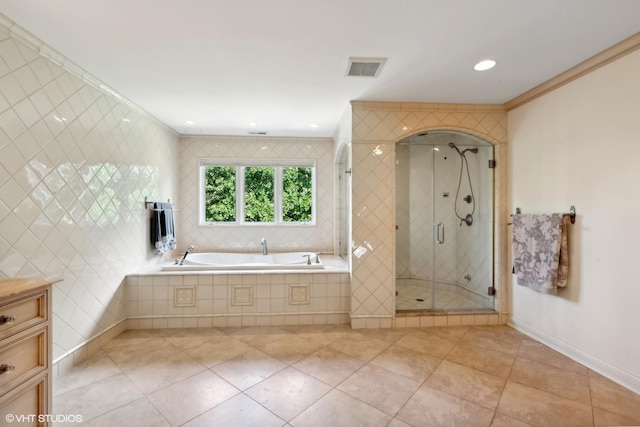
{"points": [[452, 145]]}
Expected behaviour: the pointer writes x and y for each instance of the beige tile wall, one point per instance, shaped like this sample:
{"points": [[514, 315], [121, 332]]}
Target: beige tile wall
{"points": [[225, 238], [376, 127]]}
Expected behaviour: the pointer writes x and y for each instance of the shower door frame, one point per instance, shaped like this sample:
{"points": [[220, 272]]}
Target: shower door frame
{"points": [[449, 225]]}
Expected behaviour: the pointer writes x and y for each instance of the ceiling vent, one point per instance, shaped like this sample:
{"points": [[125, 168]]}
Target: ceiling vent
{"points": [[257, 133], [365, 67]]}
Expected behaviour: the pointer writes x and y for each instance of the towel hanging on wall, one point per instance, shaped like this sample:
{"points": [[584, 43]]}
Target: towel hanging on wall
{"points": [[162, 230], [540, 251]]}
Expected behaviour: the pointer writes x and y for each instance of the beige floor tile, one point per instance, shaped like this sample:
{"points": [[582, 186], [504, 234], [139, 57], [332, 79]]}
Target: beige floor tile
{"points": [[453, 332], [540, 408], [187, 338], [288, 393], [467, 383], [97, 398], [397, 423], [360, 346], [480, 358], [139, 413], [257, 335], [602, 418], [407, 362], [389, 335], [329, 366], [165, 370], [461, 369], [248, 369], [322, 334], [289, 348], [86, 372], [191, 397], [338, 409], [567, 384], [431, 344], [502, 340], [611, 397], [216, 350], [380, 388], [501, 420], [532, 350], [429, 407], [139, 352], [239, 411]]}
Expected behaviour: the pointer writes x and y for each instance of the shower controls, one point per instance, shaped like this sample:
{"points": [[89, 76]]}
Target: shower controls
{"points": [[468, 199], [445, 194], [468, 277]]}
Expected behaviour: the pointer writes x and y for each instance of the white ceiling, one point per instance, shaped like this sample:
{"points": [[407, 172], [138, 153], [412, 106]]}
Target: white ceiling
{"points": [[281, 63]]}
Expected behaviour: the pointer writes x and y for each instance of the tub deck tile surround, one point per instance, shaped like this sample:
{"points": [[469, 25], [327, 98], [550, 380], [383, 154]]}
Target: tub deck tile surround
{"points": [[333, 375], [238, 298]]}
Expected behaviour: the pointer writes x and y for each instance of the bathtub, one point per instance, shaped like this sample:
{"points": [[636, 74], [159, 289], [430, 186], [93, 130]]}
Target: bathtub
{"points": [[206, 261]]}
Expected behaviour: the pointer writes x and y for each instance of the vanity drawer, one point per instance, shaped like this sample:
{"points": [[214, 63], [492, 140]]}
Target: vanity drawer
{"points": [[27, 401], [21, 314], [21, 357]]}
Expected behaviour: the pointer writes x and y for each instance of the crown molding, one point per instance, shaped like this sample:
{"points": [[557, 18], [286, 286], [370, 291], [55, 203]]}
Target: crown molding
{"points": [[611, 54]]}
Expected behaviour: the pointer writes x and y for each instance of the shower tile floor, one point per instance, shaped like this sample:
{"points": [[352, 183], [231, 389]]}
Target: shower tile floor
{"points": [[408, 299], [336, 376]]}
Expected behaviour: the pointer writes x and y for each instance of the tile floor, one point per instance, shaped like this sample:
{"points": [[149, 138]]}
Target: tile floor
{"points": [[409, 295], [334, 376]]}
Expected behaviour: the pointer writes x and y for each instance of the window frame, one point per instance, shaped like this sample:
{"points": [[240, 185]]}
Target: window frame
{"points": [[240, 165]]}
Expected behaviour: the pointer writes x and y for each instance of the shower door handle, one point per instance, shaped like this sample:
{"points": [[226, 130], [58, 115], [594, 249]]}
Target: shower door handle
{"points": [[440, 230]]}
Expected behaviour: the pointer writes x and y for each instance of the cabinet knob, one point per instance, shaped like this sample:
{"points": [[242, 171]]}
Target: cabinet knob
{"points": [[4, 368], [4, 319]]}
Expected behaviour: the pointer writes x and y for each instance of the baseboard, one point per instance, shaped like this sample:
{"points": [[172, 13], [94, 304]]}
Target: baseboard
{"points": [[66, 361], [625, 379]]}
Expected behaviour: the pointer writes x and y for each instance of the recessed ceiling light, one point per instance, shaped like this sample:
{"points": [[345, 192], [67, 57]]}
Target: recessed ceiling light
{"points": [[484, 65], [189, 122], [253, 124], [314, 125]]}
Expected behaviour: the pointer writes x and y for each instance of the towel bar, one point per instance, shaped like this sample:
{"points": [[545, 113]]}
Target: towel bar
{"points": [[149, 205], [571, 214]]}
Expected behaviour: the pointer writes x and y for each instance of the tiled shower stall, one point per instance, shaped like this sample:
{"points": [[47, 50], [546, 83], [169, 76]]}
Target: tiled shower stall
{"points": [[376, 128]]}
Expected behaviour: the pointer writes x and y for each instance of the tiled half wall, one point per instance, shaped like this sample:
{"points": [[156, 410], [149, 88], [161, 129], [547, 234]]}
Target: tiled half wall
{"points": [[234, 300], [376, 128]]}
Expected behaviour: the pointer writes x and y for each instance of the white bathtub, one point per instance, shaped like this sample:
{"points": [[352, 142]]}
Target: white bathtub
{"points": [[206, 261]]}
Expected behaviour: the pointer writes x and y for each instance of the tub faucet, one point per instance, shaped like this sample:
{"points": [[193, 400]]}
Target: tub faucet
{"points": [[189, 249], [263, 242]]}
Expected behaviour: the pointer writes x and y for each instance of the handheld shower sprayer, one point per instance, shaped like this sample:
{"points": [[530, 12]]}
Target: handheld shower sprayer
{"points": [[468, 219]]}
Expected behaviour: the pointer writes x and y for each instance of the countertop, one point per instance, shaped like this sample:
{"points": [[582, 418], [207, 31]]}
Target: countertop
{"points": [[12, 287]]}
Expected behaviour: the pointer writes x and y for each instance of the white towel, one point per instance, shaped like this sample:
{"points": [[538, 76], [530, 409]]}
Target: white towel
{"points": [[540, 251]]}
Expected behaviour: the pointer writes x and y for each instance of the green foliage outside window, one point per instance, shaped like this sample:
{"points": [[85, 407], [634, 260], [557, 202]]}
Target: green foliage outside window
{"points": [[220, 194], [296, 194], [258, 194]]}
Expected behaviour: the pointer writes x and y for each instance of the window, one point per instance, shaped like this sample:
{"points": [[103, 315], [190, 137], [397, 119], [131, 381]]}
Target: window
{"points": [[254, 192]]}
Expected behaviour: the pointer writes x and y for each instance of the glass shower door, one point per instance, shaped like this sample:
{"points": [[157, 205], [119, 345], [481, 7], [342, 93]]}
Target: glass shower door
{"points": [[463, 227]]}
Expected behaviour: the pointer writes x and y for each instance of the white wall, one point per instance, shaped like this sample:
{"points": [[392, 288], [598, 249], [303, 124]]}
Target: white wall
{"points": [[75, 166], [226, 238], [580, 145]]}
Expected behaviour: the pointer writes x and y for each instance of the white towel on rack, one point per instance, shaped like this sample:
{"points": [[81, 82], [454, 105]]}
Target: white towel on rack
{"points": [[540, 251]]}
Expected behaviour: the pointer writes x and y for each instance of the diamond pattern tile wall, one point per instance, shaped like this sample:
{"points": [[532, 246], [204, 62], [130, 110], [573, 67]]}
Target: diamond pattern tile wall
{"points": [[242, 239], [75, 166], [376, 127]]}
